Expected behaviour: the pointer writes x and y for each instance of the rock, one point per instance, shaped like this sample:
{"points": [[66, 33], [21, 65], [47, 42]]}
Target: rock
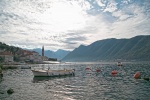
{"points": [[1, 74], [1, 92], [10, 91], [146, 78]]}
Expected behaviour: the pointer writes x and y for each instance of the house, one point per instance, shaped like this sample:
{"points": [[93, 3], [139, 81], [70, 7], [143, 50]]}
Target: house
{"points": [[44, 58], [8, 56], [30, 56]]}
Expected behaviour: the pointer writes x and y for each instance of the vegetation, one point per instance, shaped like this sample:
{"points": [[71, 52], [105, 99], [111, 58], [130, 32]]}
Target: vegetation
{"points": [[12, 49], [2, 59], [52, 59], [16, 53], [1, 68]]}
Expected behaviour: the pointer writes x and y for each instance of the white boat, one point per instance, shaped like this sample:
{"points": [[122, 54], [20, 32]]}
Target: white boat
{"points": [[52, 62], [119, 64], [53, 72]]}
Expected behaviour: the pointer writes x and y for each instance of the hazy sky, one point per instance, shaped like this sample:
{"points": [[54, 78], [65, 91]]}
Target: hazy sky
{"points": [[66, 24]]}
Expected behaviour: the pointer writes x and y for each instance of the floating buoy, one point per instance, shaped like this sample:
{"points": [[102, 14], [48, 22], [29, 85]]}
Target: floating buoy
{"points": [[87, 68], [98, 70], [119, 64], [137, 75], [114, 72]]}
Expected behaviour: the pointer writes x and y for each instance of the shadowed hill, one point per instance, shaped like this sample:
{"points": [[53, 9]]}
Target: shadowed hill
{"points": [[136, 48]]}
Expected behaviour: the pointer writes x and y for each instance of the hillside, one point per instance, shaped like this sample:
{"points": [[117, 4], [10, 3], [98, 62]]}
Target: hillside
{"points": [[136, 48], [6, 47]]}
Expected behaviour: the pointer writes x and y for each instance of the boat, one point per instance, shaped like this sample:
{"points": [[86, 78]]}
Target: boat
{"points": [[51, 62], [49, 72], [25, 67], [119, 64]]}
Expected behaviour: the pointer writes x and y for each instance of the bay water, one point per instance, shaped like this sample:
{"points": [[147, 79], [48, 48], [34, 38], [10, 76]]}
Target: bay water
{"points": [[84, 85]]}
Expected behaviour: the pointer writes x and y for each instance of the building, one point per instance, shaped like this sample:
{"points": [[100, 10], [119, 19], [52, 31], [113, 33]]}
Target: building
{"points": [[30, 56], [43, 58], [42, 51], [8, 56]]}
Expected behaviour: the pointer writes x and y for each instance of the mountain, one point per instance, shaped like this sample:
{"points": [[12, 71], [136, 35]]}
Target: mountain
{"points": [[136, 48], [59, 54]]}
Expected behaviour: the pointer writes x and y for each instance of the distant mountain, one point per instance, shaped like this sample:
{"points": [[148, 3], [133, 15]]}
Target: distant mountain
{"points": [[59, 54], [136, 48]]}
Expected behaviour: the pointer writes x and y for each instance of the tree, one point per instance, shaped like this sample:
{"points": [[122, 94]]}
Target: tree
{"points": [[2, 59]]}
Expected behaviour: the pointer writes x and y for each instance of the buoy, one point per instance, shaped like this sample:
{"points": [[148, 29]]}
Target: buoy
{"points": [[137, 75], [88, 69], [119, 64], [98, 70], [114, 72]]}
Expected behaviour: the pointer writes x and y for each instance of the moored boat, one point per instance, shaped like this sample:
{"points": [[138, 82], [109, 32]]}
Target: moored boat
{"points": [[53, 72], [119, 64]]}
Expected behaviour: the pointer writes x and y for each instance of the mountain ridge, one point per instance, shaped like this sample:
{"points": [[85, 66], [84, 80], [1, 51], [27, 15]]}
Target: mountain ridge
{"points": [[135, 48], [59, 54]]}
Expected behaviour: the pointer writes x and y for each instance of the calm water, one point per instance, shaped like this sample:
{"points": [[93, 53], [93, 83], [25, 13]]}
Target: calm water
{"points": [[85, 85]]}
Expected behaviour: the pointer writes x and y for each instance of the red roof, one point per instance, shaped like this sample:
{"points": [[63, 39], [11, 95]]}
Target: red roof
{"points": [[6, 53]]}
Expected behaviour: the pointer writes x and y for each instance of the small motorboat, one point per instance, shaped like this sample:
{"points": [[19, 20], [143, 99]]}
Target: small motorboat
{"points": [[53, 72], [119, 64]]}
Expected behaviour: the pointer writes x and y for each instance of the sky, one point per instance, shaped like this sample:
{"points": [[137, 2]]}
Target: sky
{"points": [[67, 24]]}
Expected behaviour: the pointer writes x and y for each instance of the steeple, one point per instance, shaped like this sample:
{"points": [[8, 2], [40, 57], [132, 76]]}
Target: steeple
{"points": [[42, 51]]}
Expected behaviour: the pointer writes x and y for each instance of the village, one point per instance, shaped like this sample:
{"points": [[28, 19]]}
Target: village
{"points": [[23, 57]]}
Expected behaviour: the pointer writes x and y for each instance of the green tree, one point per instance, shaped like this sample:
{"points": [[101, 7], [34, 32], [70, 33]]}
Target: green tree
{"points": [[2, 59], [16, 58]]}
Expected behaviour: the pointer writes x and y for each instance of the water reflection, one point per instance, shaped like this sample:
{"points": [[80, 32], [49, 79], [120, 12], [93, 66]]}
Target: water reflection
{"points": [[39, 79]]}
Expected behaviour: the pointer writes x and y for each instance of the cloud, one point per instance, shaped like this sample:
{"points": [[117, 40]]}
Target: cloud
{"points": [[131, 21], [66, 24]]}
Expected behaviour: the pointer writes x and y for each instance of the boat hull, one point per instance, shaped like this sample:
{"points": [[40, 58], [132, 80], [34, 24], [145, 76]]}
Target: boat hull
{"points": [[52, 72]]}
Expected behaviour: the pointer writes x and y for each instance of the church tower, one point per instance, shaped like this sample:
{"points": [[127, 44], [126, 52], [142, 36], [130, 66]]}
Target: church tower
{"points": [[42, 51]]}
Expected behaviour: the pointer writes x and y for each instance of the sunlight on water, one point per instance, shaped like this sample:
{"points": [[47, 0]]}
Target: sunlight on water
{"points": [[85, 85]]}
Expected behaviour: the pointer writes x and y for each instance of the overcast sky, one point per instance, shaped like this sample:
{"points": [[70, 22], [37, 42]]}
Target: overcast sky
{"points": [[66, 24]]}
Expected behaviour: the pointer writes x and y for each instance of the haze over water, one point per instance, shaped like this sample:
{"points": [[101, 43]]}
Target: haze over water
{"points": [[85, 85]]}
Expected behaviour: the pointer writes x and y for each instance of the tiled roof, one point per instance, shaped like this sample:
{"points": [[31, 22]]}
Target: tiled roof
{"points": [[6, 53]]}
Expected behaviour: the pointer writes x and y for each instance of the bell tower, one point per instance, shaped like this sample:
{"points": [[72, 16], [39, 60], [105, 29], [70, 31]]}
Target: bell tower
{"points": [[42, 51]]}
